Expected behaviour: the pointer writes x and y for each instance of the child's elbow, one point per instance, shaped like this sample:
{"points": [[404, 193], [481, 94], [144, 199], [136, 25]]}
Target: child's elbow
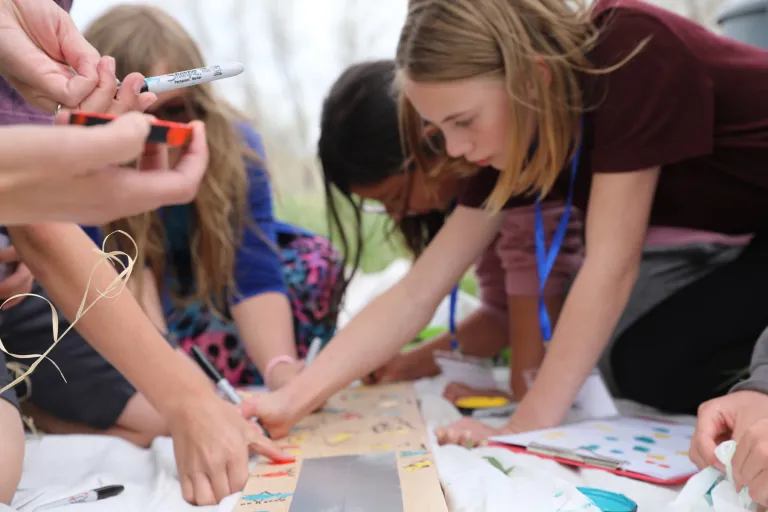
{"points": [[614, 267]]}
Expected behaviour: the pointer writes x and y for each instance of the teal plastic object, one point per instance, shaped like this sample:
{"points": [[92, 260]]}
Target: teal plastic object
{"points": [[608, 501]]}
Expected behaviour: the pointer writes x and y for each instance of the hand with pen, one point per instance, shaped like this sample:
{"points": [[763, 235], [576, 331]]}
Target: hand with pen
{"points": [[50, 64]]}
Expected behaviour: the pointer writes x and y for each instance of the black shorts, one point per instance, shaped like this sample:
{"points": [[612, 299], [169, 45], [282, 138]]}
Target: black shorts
{"points": [[94, 393]]}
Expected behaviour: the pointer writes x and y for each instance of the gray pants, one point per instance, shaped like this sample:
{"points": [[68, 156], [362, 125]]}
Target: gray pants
{"points": [[664, 271]]}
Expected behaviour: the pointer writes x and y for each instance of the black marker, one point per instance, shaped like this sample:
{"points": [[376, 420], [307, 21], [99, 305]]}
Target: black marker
{"points": [[86, 497], [221, 383]]}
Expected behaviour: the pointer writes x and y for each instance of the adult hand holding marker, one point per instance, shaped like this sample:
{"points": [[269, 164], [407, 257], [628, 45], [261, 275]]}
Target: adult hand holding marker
{"points": [[44, 56], [190, 77], [146, 90]]}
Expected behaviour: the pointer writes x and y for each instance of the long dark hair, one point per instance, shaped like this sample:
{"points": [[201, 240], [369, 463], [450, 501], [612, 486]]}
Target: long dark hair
{"points": [[360, 145]]}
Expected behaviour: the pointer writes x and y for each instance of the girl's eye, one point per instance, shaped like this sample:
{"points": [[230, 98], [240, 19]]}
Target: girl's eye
{"points": [[464, 123]]}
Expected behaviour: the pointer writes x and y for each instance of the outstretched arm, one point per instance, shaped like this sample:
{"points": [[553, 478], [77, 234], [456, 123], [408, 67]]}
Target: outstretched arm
{"points": [[61, 257], [376, 333], [619, 210]]}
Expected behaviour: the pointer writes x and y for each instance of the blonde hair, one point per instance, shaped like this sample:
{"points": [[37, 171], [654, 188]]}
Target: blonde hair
{"points": [[444, 40], [140, 38]]}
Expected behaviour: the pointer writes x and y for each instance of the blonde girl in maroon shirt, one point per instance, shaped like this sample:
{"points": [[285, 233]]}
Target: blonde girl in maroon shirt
{"points": [[654, 119]]}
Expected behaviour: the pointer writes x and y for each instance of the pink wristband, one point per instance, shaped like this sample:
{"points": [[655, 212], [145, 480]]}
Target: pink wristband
{"points": [[274, 362]]}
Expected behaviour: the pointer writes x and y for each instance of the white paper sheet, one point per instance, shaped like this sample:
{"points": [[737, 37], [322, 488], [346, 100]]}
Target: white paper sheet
{"points": [[468, 371], [595, 399], [712, 491]]}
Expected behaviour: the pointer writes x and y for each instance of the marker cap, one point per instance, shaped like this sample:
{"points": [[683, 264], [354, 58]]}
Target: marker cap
{"points": [[108, 491]]}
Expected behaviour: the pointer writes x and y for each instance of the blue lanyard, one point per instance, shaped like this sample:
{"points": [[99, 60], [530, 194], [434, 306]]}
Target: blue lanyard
{"points": [[545, 260], [453, 303], [452, 318]]}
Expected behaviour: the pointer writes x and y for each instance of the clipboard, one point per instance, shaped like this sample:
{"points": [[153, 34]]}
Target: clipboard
{"points": [[644, 449]]}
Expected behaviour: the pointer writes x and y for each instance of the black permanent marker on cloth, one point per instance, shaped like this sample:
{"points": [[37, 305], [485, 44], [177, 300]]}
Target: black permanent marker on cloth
{"points": [[223, 384], [101, 493]]}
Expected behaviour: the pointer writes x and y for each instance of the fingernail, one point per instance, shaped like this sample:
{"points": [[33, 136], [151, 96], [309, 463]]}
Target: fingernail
{"points": [[137, 87], [111, 65]]}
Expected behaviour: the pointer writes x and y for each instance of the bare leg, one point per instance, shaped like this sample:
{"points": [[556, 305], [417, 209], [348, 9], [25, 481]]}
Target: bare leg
{"points": [[11, 449]]}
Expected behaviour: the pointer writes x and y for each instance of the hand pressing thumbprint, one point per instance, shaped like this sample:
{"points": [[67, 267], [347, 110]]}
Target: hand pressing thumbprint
{"points": [[466, 432]]}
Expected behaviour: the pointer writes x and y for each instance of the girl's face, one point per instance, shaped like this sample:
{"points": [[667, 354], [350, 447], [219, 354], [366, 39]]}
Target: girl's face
{"points": [[473, 116], [424, 197]]}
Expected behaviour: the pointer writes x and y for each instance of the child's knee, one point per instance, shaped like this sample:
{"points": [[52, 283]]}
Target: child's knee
{"points": [[12, 450]]}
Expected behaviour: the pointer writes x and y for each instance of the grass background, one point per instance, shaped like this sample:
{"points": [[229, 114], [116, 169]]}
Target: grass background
{"points": [[380, 246]]}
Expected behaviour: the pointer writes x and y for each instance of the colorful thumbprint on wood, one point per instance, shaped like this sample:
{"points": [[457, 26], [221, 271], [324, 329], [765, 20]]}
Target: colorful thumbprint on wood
{"points": [[266, 497], [412, 453], [278, 474], [340, 438], [298, 439], [418, 465]]}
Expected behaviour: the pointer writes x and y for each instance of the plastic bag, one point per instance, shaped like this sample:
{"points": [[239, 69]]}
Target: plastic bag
{"points": [[712, 491]]}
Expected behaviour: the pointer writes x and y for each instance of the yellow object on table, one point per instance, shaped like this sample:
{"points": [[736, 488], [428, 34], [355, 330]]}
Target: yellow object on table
{"points": [[481, 402]]}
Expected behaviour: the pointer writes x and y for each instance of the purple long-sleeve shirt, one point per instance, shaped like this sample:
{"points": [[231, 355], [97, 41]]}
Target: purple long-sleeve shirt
{"points": [[13, 108]]}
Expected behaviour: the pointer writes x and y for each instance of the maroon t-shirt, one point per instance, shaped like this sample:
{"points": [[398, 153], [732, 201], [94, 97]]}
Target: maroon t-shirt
{"points": [[692, 102]]}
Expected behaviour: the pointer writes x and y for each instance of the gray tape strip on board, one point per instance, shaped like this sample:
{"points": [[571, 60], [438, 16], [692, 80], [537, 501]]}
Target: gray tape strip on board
{"points": [[349, 483]]}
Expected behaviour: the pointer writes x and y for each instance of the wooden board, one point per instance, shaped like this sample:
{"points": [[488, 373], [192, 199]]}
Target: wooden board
{"points": [[356, 420]]}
